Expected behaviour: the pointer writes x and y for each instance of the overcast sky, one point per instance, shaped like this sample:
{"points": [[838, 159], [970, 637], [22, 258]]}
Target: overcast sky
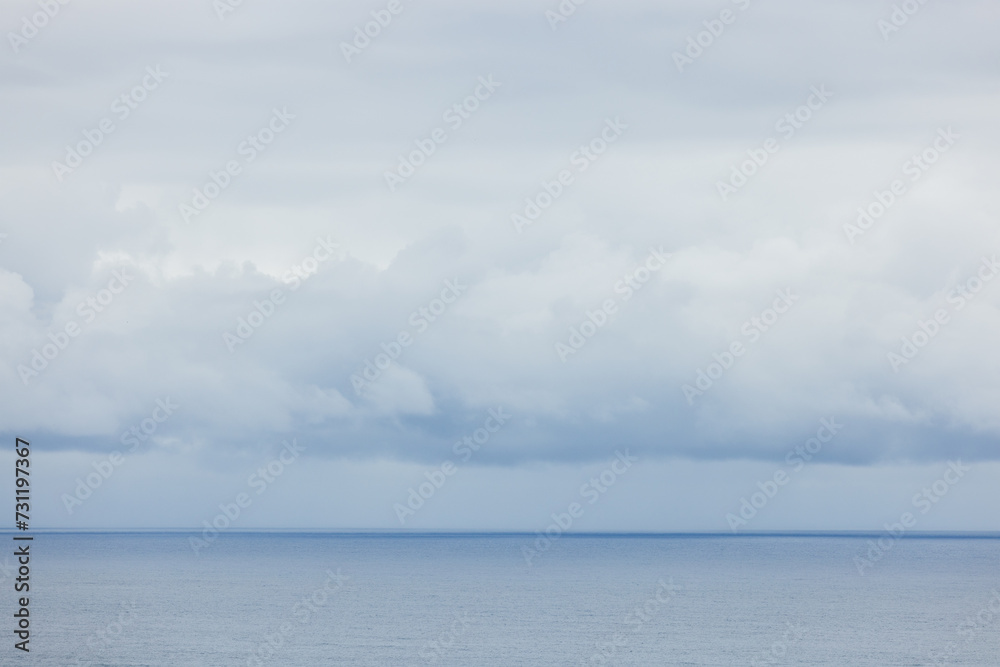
{"points": [[695, 285]]}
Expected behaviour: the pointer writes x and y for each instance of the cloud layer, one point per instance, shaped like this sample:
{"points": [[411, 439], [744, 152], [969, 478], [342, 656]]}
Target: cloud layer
{"points": [[517, 226]]}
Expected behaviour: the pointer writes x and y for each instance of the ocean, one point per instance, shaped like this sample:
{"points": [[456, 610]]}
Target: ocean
{"points": [[338, 599]]}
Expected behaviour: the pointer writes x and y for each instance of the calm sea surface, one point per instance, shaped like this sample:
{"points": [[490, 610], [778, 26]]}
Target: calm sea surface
{"points": [[301, 599]]}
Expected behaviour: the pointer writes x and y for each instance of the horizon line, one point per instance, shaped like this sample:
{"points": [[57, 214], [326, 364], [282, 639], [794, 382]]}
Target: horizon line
{"points": [[387, 532]]}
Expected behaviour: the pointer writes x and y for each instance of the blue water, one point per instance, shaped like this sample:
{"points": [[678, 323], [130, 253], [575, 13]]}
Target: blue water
{"points": [[147, 599]]}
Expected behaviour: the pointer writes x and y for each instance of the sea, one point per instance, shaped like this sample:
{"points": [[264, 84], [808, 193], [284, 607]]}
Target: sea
{"points": [[285, 598]]}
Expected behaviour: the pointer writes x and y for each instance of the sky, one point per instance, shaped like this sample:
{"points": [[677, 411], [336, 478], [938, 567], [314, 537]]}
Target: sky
{"points": [[457, 266]]}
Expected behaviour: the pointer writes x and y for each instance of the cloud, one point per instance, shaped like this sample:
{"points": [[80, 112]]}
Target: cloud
{"points": [[827, 356]]}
